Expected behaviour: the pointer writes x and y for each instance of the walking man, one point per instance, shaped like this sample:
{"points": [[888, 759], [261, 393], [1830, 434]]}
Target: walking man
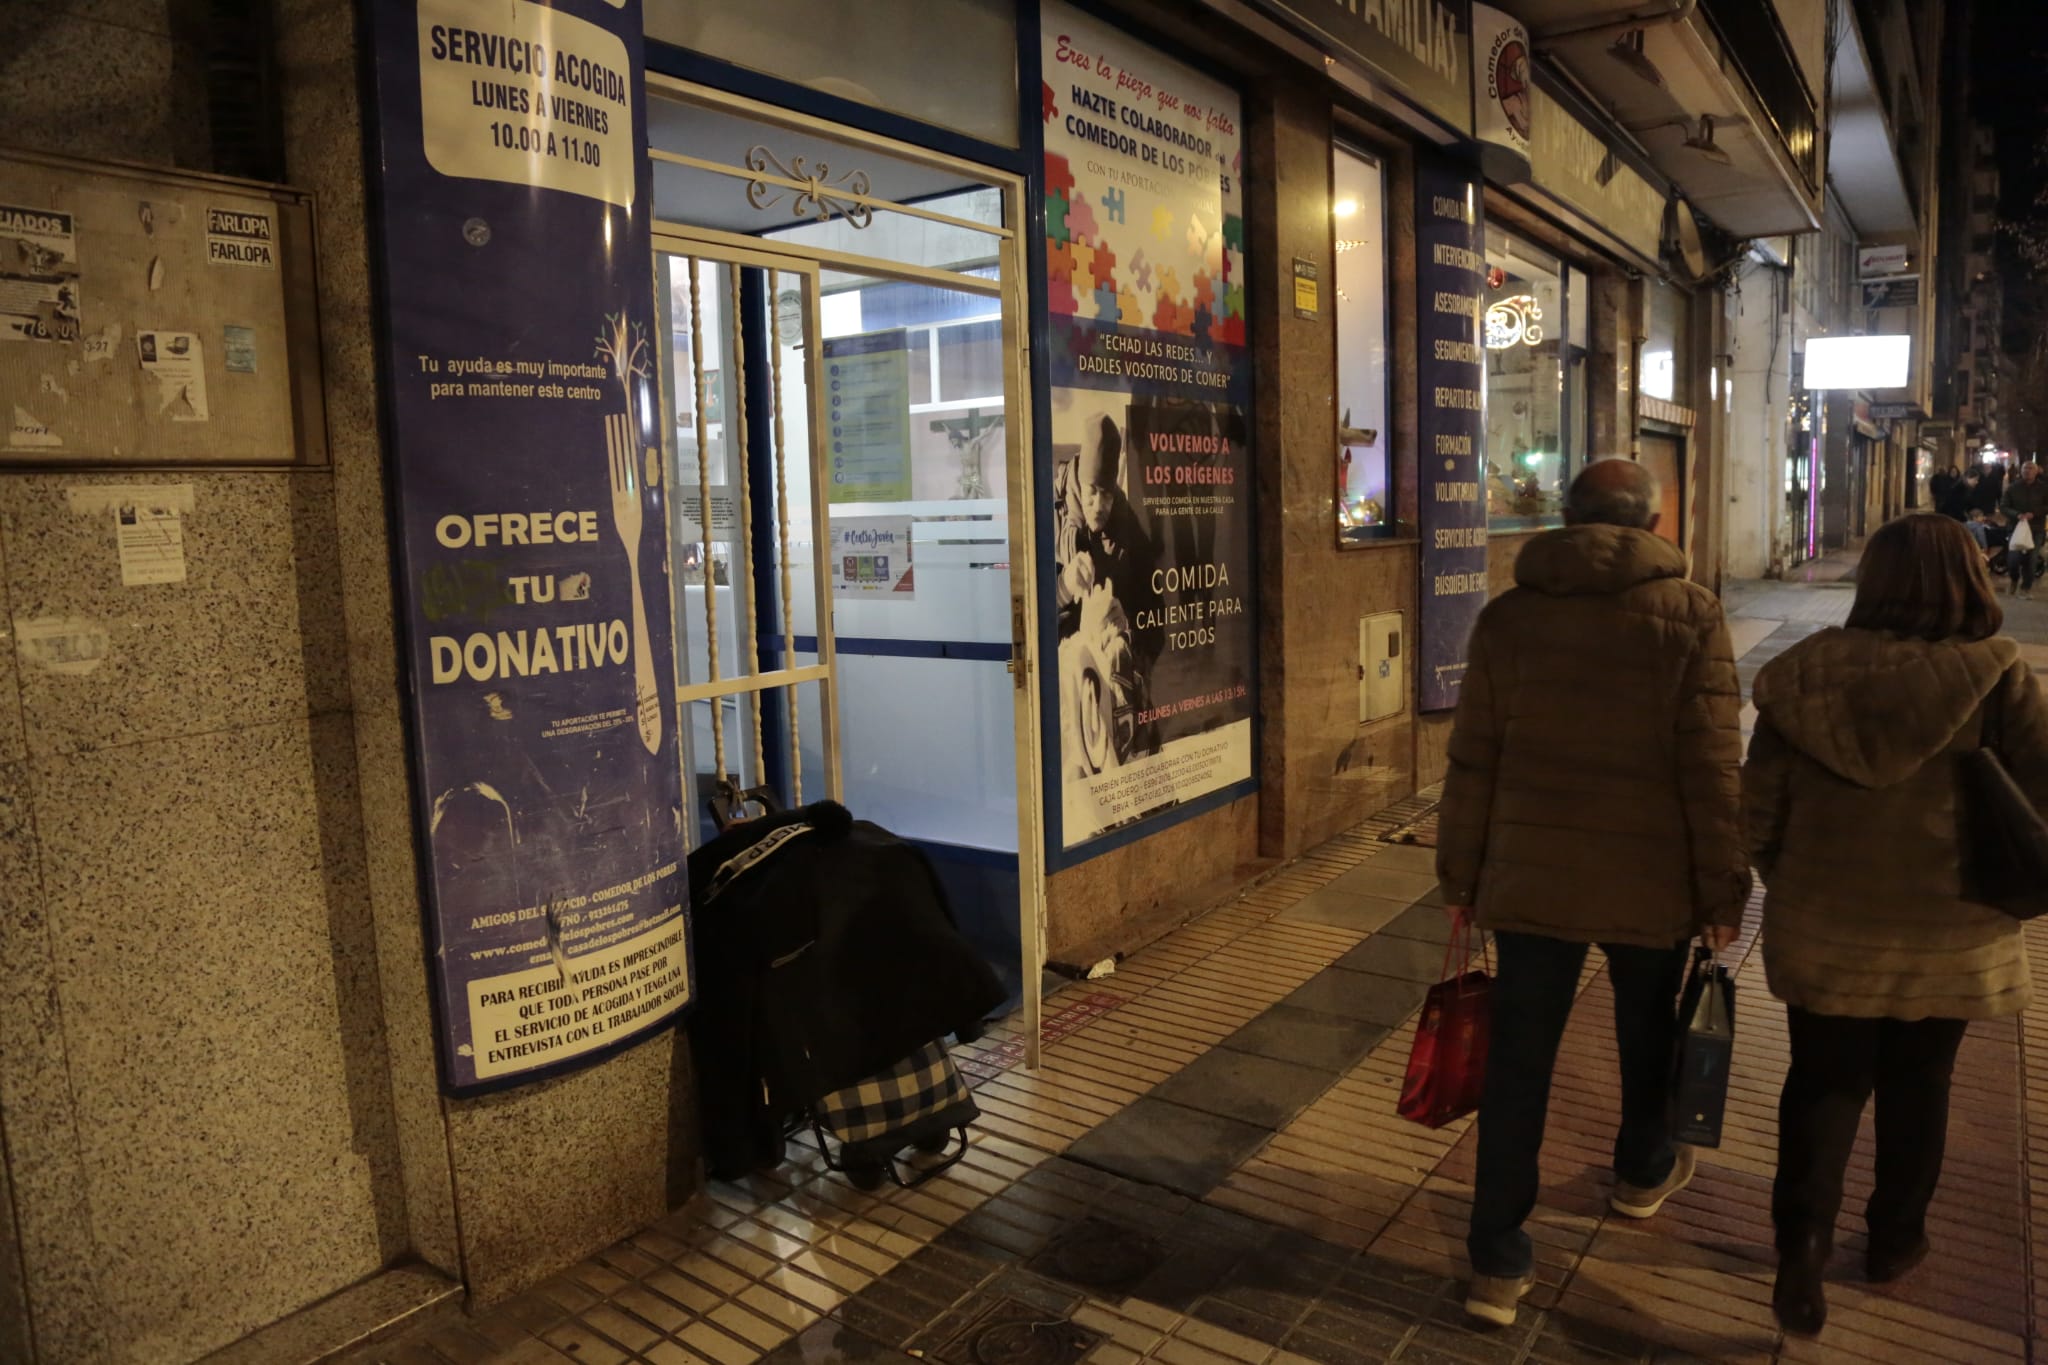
{"points": [[2026, 500], [1594, 796]]}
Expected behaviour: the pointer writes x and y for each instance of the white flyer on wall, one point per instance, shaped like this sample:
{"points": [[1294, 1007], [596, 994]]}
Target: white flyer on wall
{"points": [[151, 536], [38, 275], [871, 558], [177, 362]]}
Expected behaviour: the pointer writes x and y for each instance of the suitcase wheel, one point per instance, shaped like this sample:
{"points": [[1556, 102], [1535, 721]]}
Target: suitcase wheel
{"points": [[867, 1177], [934, 1145]]}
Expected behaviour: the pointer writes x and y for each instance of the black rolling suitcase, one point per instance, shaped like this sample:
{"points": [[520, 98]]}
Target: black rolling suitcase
{"points": [[919, 1103]]}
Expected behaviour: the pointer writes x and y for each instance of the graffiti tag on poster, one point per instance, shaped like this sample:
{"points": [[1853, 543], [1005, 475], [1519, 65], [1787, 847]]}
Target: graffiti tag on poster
{"points": [[1151, 489]]}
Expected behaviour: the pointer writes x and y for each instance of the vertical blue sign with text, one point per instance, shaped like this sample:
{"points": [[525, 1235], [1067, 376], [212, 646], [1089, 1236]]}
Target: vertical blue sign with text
{"points": [[522, 415], [1450, 252]]}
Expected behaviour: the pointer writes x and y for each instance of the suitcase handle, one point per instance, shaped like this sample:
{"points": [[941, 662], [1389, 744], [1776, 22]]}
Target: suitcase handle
{"points": [[731, 805]]}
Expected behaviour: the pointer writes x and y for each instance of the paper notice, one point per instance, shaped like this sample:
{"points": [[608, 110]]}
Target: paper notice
{"points": [[241, 349], [25, 432], [177, 361], [60, 644], [151, 536], [38, 275]]}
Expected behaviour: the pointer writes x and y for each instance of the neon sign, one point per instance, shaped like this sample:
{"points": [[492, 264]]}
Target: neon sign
{"points": [[1516, 321]]}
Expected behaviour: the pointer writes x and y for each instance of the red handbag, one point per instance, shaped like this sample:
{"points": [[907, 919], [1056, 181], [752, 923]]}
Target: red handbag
{"points": [[1447, 1066]]}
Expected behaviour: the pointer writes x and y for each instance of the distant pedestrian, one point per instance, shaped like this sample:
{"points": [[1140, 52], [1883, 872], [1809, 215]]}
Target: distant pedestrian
{"points": [[1593, 797], [1851, 810], [1961, 498], [2026, 503], [1941, 483]]}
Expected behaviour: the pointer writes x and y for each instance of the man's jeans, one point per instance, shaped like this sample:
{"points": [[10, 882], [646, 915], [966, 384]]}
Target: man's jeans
{"points": [[1532, 996]]}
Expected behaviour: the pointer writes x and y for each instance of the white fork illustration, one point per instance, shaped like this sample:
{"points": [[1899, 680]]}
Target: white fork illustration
{"points": [[629, 515]]}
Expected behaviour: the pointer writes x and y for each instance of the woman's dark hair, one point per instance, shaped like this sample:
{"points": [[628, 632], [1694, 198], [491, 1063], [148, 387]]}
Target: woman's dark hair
{"points": [[1923, 576]]}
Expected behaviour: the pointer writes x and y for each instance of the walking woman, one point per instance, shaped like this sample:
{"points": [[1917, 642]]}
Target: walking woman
{"points": [[1850, 796]]}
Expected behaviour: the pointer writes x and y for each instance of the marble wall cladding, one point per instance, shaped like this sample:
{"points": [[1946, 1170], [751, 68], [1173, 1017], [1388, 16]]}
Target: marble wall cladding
{"points": [[13, 746], [1321, 770], [251, 637], [221, 1022], [56, 94], [49, 1211], [1123, 898], [548, 1174], [15, 1343], [323, 139]]}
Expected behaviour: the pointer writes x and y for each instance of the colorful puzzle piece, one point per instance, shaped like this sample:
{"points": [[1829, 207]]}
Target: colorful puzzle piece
{"points": [[1059, 297], [1049, 106], [1131, 312], [1056, 218], [1169, 284], [1198, 236], [1104, 267], [1084, 259], [1059, 176], [1202, 323], [1204, 294], [1059, 260], [1233, 265], [1162, 222], [1113, 204], [1233, 301], [1233, 232], [1141, 271], [1108, 308], [1081, 220]]}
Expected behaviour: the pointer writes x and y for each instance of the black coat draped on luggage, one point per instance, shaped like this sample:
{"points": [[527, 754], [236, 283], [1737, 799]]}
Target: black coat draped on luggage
{"points": [[830, 960]]}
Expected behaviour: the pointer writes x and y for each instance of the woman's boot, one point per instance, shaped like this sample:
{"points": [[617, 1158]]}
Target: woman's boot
{"points": [[1799, 1298]]}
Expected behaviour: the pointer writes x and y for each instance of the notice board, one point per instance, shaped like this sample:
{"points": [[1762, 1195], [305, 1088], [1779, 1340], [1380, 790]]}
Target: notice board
{"points": [[155, 318]]}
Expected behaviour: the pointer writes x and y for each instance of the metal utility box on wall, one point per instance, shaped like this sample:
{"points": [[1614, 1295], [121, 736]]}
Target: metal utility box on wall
{"points": [[1382, 676]]}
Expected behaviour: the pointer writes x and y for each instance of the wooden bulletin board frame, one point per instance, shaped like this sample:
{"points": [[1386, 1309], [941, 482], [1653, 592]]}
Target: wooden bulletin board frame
{"points": [[155, 319]]}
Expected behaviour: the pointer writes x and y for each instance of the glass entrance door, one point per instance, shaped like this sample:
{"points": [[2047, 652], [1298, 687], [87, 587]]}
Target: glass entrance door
{"points": [[846, 381]]}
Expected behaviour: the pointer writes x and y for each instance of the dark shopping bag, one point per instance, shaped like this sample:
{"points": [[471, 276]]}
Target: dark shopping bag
{"points": [[1706, 1052], [1447, 1066], [921, 1102]]}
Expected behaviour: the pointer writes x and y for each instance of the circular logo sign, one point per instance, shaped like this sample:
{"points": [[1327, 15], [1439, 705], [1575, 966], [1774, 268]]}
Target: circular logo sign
{"points": [[1507, 80]]}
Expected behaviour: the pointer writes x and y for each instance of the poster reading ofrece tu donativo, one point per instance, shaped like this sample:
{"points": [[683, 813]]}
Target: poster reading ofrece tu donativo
{"points": [[1151, 490]]}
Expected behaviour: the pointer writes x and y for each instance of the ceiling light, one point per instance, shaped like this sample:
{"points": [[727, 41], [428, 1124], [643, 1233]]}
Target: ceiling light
{"points": [[1703, 143], [1344, 208], [1628, 50]]}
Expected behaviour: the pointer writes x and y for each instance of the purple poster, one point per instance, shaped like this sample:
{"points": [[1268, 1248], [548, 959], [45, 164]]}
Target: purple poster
{"points": [[534, 578], [1450, 252]]}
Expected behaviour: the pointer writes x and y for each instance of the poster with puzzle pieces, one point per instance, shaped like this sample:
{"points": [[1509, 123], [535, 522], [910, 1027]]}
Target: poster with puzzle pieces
{"points": [[1151, 381], [151, 317]]}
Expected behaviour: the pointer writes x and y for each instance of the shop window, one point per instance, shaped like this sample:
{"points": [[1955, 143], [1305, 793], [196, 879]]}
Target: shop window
{"points": [[949, 63], [1365, 484], [1534, 337], [1667, 351]]}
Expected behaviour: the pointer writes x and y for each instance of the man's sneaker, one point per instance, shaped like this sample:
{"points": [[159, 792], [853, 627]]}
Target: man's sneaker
{"points": [[1634, 1201], [1492, 1298]]}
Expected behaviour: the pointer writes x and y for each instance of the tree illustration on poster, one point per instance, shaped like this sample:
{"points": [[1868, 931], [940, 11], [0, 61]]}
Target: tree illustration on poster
{"points": [[533, 546], [1152, 480], [1450, 252]]}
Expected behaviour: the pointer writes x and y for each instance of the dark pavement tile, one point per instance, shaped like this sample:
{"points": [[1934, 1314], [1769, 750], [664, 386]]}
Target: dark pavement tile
{"points": [[1424, 923], [1338, 1339], [1101, 1257], [830, 1341], [1365, 996], [1225, 1313], [998, 1328], [1239, 1085], [1191, 1272], [1404, 958], [1327, 1042], [1170, 1145]]}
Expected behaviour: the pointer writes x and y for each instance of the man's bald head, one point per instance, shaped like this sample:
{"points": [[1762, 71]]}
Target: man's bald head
{"points": [[1613, 492]]}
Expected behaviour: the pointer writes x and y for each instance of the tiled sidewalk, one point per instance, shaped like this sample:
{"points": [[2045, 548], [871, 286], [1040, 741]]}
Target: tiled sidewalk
{"points": [[1208, 1170]]}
